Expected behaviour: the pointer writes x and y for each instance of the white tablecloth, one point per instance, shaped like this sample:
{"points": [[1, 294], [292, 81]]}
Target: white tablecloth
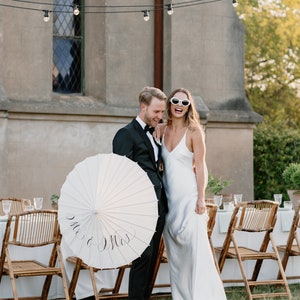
{"points": [[33, 286]]}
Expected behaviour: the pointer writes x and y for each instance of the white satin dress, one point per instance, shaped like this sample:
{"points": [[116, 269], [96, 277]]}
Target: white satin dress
{"points": [[193, 273]]}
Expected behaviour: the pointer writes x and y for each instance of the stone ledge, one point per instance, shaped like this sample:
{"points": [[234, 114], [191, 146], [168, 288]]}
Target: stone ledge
{"points": [[88, 106]]}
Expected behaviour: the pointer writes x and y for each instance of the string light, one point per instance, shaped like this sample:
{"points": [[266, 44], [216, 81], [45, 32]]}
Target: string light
{"points": [[170, 9], [76, 11], [46, 15], [107, 8], [146, 15], [235, 3]]}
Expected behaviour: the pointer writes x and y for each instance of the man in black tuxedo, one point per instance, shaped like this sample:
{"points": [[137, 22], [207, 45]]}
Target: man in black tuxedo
{"points": [[135, 141]]}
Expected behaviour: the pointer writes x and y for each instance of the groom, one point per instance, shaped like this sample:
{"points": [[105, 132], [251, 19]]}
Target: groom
{"points": [[135, 141]]}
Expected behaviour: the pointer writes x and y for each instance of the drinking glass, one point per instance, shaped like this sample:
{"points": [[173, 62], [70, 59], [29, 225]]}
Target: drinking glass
{"points": [[38, 202], [228, 206], [278, 198], [237, 198], [27, 206], [6, 205], [218, 200], [288, 204]]}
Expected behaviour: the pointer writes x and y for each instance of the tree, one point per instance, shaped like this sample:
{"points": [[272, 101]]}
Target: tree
{"points": [[272, 54]]}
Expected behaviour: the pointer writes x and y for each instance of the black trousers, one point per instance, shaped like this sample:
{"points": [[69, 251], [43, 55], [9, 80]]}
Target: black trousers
{"points": [[141, 271]]}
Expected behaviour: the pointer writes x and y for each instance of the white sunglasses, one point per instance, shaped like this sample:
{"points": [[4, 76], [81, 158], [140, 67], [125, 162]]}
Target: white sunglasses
{"points": [[183, 102]]}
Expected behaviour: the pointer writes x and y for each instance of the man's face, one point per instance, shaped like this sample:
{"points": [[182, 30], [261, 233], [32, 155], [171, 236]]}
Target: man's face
{"points": [[153, 113]]}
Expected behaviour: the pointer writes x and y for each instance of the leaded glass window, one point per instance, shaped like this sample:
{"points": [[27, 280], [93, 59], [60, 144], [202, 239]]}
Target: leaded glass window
{"points": [[67, 47]]}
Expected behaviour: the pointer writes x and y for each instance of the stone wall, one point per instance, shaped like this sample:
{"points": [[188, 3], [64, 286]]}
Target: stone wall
{"points": [[43, 135]]}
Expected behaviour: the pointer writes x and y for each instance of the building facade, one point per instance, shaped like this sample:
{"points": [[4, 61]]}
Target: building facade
{"points": [[43, 134]]}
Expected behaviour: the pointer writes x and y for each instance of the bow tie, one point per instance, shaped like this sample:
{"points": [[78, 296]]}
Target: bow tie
{"points": [[148, 128]]}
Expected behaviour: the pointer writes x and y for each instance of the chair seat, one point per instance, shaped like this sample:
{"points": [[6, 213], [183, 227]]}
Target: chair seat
{"points": [[247, 253], [293, 252], [23, 268]]}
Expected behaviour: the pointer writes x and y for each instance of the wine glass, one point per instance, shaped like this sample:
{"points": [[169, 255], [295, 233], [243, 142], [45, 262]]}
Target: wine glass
{"points": [[6, 205], [38, 202], [218, 200], [237, 198], [278, 198]]}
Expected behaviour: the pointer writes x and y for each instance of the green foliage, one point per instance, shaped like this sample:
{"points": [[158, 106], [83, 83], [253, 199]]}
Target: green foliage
{"points": [[291, 176], [272, 69], [54, 199], [216, 185], [274, 149]]}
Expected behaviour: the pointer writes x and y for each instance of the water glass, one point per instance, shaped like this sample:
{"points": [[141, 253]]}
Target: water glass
{"points": [[237, 198], [288, 204], [228, 206], [278, 198], [218, 200], [27, 206], [6, 205], [38, 202]]}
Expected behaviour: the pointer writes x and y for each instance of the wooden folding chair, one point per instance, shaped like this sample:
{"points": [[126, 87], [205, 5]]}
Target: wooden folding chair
{"points": [[17, 205], [292, 246], [104, 293], [258, 218], [212, 214], [33, 230], [162, 257]]}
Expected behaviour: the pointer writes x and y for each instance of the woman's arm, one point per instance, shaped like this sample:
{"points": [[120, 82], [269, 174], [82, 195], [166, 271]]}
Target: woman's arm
{"points": [[199, 149]]}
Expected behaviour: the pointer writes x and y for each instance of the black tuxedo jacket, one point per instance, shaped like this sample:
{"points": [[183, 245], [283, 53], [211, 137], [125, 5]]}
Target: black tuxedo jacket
{"points": [[133, 142]]}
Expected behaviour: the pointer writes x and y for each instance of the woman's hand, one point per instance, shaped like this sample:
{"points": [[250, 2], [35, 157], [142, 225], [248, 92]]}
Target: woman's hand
{"points": [[157, 135], [200, 207], [158, 132]]}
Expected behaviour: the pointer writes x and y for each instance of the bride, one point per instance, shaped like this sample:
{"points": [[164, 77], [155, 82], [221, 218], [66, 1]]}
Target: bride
{"points": [[192, 270]]}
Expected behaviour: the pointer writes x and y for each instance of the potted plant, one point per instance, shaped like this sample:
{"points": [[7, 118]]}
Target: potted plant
{"points": [[216, 185], [291, 178], [54, 201]]}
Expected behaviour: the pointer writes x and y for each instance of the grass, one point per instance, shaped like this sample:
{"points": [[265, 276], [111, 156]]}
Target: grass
{"points": [[239, 293]]}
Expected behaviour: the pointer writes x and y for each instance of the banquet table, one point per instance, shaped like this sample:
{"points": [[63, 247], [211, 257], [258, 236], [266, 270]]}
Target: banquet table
{"points": [[32, 286]]}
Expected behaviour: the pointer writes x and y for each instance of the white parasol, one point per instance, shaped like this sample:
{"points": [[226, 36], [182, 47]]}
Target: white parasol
{"points": [[107, 210]]}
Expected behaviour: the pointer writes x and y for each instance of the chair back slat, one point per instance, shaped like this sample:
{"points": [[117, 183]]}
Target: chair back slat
{"points": [[257, 216], [35, 228]]}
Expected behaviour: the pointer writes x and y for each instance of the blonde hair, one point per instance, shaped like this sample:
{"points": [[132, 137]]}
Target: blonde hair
{"points": [[148, 92]]}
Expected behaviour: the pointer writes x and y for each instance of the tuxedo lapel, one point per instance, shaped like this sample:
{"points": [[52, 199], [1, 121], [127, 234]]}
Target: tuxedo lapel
{"points": [[144, 136]]}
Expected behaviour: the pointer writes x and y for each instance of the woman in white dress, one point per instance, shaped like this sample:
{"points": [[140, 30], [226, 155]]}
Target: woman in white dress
{"points": [[193, 273]]}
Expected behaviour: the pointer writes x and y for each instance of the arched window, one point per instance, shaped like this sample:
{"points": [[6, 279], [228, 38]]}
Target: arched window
{"points": [[67, 47]]}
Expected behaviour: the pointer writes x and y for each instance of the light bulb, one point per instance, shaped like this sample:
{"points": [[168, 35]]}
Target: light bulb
{"points": [[170, 10], [76, 11], [46, 15], [235, 3], [146, 15]]}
